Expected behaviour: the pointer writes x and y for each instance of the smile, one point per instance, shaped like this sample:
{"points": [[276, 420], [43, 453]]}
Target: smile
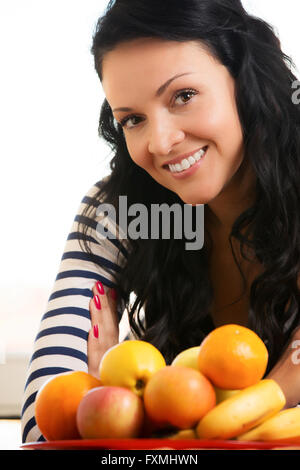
{"points": [[188, 166], [186, 163]]}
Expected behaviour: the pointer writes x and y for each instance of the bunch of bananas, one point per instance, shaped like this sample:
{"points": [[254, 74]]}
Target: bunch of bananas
{"points": [[255, 413]]}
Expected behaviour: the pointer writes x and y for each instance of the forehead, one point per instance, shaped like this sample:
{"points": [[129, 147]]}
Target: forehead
{"points": [[133, 63]]}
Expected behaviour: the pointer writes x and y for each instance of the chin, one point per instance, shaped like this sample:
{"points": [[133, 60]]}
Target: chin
{"points": [[194, 196], [194, 201]]}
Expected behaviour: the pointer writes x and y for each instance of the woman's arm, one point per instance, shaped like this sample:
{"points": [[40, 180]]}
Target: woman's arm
{"points": [[61, 342], [287, 371]]}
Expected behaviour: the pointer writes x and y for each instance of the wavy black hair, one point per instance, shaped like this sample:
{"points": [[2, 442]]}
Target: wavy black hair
{"points": [[172, 285]]}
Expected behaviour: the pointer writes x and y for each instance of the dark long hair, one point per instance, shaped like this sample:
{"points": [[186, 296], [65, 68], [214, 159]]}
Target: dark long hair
{"points": [[172, 285]]}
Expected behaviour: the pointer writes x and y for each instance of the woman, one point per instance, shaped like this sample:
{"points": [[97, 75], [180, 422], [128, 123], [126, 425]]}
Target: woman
{"points": [[198, 111]]}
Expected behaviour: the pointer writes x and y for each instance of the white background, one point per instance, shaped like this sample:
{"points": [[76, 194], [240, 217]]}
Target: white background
{"points": [[50, 97]]}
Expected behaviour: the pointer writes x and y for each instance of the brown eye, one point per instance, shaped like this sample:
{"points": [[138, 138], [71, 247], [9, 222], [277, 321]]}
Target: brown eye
{"points": [[126, 120], [185, 96]]}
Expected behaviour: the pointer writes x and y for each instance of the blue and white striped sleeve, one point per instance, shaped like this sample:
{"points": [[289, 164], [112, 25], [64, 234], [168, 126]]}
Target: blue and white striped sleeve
{"points": [[61, 342]]}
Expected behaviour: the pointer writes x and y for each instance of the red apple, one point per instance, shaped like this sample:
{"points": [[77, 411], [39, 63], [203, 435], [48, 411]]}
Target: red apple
{"points": [[110, 412]]}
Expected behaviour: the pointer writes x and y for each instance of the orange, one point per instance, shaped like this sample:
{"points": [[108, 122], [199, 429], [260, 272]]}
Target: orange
{"points": [[178, 396], [233, 357], [57, 402]]}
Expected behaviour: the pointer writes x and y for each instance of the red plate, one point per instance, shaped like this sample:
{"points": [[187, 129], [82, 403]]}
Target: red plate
{"points": [[144, 444]]}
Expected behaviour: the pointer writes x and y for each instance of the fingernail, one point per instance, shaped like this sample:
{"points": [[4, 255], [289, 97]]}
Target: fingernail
{"points": [[100, 287], [97, 302], [113, 293], [96, 331]]}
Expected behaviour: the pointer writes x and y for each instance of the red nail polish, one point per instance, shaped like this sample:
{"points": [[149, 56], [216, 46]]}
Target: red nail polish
{"points": [[96, 331], [100, 288], [113, 293], [97, 302]]}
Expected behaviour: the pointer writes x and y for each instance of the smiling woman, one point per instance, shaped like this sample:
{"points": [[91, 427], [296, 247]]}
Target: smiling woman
{"points": [[198, 111], [177, 81]]}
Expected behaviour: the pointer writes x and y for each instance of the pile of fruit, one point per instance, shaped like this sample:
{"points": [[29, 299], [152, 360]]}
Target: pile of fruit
{"points": [[213, 391]]}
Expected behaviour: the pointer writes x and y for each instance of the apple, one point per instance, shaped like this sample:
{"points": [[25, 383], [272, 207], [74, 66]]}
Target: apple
{"points": [[222, 395], [130, 364], [187, 358], [110, 412], [178, 397]]}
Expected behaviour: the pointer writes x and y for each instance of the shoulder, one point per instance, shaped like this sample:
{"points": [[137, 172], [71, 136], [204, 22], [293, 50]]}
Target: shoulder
{"points": [[101, 219], [91, 200], [93, 192]]}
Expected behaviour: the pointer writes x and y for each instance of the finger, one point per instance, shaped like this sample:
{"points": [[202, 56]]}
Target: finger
{"points": [[103, 311], [107, 298], [98, 304], [94, 354], [93, 339], [95, 317], [103, 307], [113, 300], [113, 295]]}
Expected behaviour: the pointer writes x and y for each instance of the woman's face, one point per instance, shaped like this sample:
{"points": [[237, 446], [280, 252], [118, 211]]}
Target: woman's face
{"points": [[178, 100]]}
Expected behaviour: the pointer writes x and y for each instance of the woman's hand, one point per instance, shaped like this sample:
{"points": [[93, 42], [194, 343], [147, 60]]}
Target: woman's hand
{"points": [[105, 326], [287, 371]]}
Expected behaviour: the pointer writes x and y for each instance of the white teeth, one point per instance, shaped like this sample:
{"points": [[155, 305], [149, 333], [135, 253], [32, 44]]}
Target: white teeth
{"points": [[191, 160], [187, 162]]}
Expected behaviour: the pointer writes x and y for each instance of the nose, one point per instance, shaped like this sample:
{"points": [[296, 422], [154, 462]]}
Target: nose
{"points": [[163, 136]]}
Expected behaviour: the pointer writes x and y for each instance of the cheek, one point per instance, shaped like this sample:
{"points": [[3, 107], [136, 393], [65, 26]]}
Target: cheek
{"points": [[222, 127], [233, 138], [208, 121], [228, 124], [135, 151]]}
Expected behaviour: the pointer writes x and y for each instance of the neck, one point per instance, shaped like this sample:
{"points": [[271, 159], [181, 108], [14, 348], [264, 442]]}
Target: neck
{"points": [[237, 196]]}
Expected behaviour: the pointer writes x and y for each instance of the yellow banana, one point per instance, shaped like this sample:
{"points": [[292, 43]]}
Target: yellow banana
{"points": [[285, 424], [241, 412]]}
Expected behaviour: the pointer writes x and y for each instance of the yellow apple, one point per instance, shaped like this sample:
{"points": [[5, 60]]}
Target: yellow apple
{"points": [[222, 395], [187, 358], [130, 364]]}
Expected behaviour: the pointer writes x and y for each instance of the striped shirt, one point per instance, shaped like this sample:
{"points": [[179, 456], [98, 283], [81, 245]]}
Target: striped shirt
{"points": [[61, 342]]}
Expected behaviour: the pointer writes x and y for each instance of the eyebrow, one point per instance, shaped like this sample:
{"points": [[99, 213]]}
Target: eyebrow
{"points": [[159, 92]]}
